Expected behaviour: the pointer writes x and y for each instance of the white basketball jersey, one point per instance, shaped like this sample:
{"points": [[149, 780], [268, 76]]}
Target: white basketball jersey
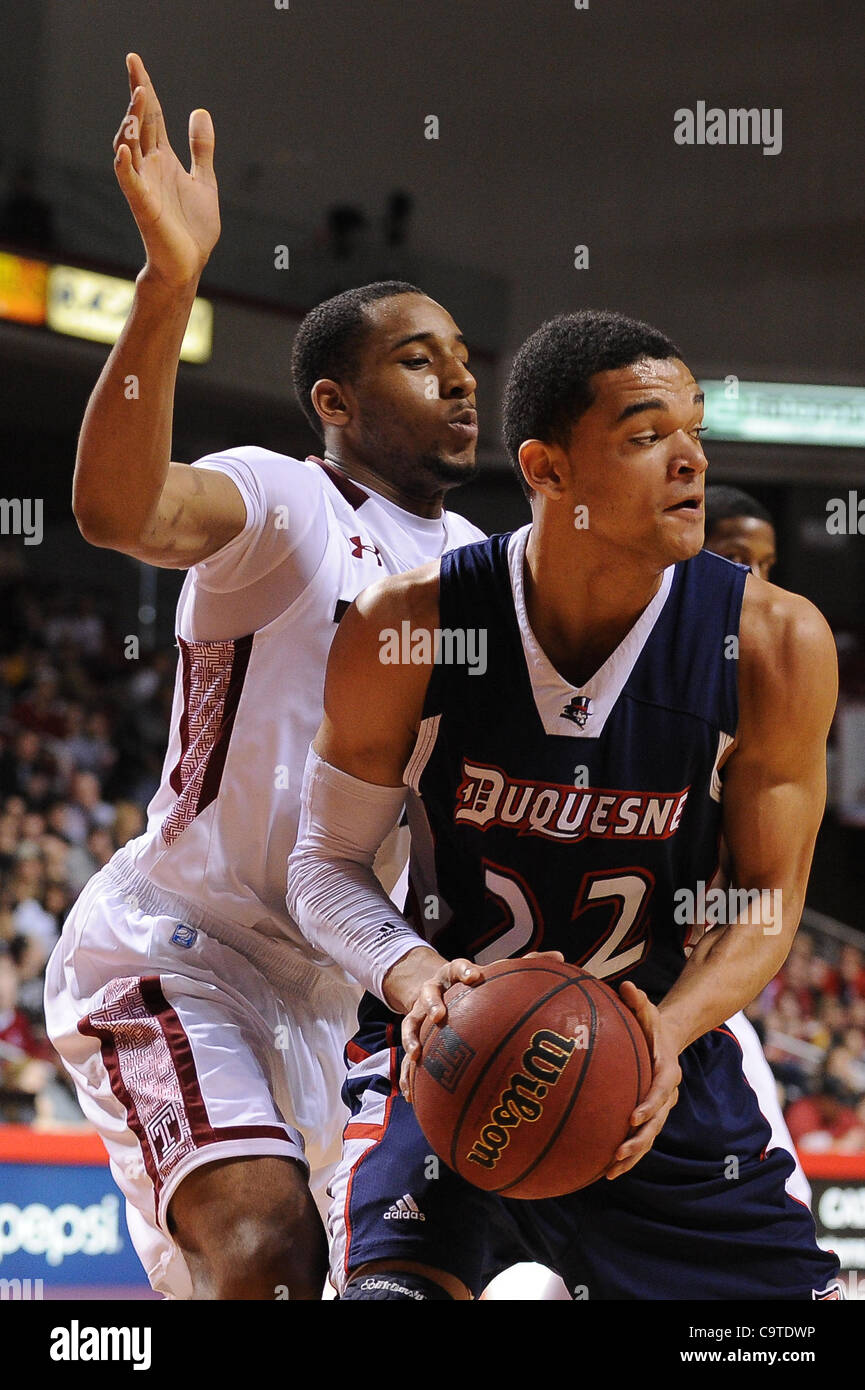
{"points": [[246, 707]]}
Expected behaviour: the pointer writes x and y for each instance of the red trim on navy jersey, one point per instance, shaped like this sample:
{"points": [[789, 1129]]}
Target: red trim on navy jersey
{"points": [[353, 1131], [377, 1136]]}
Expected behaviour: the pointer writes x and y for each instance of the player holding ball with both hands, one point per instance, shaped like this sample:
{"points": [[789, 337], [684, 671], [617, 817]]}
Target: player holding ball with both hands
{"points": [[641, 700]]}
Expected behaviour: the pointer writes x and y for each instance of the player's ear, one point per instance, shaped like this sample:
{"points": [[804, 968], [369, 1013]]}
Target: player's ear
{"points": [[541, 465], [330, 403]]}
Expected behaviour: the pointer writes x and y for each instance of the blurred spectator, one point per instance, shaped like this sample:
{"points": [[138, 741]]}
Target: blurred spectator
{"points": [[41, 707], [851, 971], [77, 625], [129, 821], [100, 846], [154, 672], [24, 1066], [830, 1017], [31, 921], [26, 768], [55, 856], [86, 811], [818, 1122], [86, 745]]}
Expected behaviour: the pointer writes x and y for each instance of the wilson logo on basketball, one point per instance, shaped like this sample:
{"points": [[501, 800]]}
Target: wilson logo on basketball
{"points": [[543, 1062]]}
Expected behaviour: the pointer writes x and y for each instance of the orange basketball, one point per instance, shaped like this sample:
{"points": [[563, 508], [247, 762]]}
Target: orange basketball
{"points": [[527, 1088]]}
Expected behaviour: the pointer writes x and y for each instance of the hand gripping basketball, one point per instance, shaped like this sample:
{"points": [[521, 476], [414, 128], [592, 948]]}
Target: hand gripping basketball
{"points": [[429, 1003], [649, 1116]]}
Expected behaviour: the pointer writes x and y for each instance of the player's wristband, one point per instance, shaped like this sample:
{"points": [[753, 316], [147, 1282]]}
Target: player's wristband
{"points": [[333, 893]]}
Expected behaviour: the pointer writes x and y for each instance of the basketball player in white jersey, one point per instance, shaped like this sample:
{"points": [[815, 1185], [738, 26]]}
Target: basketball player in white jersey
{"points": [[204, 1035]]}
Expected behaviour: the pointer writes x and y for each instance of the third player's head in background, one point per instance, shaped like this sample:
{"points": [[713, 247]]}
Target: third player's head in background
{"points": [[740, 528]]}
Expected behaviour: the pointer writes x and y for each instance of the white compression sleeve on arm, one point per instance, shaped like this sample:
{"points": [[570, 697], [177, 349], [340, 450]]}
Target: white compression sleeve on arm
{"points": [[333, 894]]}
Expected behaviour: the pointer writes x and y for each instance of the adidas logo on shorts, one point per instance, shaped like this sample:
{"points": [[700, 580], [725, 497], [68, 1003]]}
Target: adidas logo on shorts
{"points": [[404, 1209]]}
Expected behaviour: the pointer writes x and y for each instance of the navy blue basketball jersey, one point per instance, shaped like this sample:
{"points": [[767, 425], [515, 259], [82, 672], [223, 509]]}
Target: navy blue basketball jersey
{"points": [[551, 817]]}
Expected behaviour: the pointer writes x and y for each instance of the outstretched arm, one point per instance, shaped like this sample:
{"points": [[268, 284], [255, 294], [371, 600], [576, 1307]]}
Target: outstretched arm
{"points": [[127, 494]]}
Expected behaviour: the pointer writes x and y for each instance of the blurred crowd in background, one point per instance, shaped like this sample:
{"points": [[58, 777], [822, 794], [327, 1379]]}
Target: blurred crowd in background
{"points": [[82, 738], [811, 1019]]}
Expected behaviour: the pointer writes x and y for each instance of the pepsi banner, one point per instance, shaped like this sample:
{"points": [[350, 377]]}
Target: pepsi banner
{"points": [[62, 1224]]}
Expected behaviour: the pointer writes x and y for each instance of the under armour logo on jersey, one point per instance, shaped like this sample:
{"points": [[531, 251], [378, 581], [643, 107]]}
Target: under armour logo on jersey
{"points": [[358, 548], [577, 710]]}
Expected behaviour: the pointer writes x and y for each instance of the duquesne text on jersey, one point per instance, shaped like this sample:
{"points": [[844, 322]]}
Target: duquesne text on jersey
{"points": [[488, 797]]}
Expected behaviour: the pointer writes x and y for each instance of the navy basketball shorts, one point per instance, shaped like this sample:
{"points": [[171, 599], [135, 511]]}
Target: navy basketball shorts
{"points": [[704, 1215]]}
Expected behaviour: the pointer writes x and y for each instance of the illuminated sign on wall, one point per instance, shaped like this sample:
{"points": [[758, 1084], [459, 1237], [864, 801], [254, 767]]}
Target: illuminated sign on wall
{"points": [[85, 304], [22, 289], [769, 412]]}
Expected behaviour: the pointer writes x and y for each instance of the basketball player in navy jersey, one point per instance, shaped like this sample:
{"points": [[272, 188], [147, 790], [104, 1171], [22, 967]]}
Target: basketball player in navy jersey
{"points": [[639, 699]]}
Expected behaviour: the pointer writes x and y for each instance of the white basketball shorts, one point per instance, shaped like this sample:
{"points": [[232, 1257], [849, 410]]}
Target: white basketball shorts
{"points": [[184, 1053]]}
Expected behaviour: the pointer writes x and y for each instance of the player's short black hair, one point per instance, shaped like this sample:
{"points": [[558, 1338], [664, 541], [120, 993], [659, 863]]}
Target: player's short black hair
{"points": [[722, 502], [330, 337], [549, 384]]}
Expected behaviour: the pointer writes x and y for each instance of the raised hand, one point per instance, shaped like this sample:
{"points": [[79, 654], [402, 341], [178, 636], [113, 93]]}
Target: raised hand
{"points": [[177, 212]]}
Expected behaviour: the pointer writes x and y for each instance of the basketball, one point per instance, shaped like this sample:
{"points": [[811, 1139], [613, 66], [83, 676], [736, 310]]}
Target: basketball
{"points": [[527, 1088]]}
